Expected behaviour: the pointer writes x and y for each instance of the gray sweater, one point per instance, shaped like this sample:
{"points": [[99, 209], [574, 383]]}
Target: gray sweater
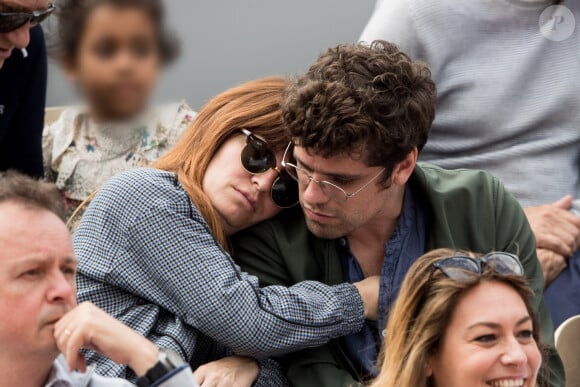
{"points": [[508, 97]]}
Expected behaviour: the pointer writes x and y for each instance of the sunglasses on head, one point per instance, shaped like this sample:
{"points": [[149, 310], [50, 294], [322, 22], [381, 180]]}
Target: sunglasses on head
{"points": [[258, 158], [10, 21], [463, 268]]}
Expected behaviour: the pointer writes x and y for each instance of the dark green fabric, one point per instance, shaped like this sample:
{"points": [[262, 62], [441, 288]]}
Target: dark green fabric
{"points": [[467, 209]]}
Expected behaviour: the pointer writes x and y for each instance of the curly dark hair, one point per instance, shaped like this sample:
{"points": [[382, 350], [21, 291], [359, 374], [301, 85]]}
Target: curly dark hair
{"points": [[372, 101], [73, 14]]}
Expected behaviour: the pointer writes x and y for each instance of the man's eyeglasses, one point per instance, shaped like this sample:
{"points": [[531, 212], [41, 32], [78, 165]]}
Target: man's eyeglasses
{"points": [[330, 189], [10, 21], [258, 158], [463, 268]]}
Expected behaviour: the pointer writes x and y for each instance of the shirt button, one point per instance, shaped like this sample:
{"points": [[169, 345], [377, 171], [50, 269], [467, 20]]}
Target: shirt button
{"points": [[384, 333], [342, 242]]}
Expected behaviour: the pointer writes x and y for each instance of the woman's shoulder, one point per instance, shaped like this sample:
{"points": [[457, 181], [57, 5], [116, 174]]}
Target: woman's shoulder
{"points": [[129, 195], [144, 184]]}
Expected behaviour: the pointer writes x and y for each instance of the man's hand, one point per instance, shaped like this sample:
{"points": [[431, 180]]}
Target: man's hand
{"points": [[552, 264], [87, 326], [235, 371], [369, 289], [555, 228]]}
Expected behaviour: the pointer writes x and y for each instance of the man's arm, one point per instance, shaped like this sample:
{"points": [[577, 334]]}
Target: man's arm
{"points": [[557, 233], [514, 233]]}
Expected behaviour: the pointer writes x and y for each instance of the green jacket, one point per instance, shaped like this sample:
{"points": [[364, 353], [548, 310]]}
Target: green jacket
{"points": [[467, 209]]}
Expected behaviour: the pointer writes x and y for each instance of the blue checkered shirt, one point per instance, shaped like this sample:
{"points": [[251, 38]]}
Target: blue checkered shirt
{"points": [[148, 258]]}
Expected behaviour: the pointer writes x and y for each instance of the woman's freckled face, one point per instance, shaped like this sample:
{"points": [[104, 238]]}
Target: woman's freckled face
{"points": [[240, 198]]}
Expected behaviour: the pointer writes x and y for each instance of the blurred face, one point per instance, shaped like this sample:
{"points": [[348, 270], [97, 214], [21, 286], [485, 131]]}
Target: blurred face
{"points": [[488, 342], [118, 61], [240, 198], [330, 218], [20, 37], [37, 279]]}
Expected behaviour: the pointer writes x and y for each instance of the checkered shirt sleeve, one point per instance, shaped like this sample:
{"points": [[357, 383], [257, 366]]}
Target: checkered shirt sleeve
{"points": [[148, 257]]}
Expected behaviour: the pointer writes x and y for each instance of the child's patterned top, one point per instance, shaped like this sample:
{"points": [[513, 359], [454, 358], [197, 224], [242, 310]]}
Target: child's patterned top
{"points": [[80, 155]]}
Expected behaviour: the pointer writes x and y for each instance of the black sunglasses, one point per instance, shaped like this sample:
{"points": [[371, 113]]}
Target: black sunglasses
{"points": [[10, 21], [462, 268], [258, 158]]}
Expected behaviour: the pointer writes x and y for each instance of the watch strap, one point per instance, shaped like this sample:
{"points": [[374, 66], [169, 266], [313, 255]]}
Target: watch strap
{"points": [[163, 366]]}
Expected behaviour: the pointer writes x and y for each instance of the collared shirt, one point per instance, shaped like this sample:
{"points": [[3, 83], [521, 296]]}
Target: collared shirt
{"points": [[59, 377], [407, 243]]}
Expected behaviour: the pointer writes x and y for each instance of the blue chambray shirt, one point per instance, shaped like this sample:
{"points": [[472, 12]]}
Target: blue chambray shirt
{"points": [[407, 243], [147, 257]]}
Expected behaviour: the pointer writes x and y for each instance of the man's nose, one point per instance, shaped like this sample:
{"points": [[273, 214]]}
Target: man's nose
{"points": [[62, 289], [19, 37], [312, 193]]}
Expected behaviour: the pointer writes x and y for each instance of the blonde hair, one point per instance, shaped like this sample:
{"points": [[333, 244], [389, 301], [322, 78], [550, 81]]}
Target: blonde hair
{"points": [[255, 106], [421, 314]]}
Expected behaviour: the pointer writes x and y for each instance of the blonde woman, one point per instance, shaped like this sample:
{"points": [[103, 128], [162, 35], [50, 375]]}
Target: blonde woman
{"points": [[462, 321]]}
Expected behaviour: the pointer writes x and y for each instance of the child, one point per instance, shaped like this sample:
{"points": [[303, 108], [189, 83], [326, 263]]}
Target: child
{"points": [[113, 50]]}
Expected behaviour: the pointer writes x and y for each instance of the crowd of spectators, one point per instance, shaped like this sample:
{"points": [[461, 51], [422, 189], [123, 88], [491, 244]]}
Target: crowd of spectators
{"points": [[404, 213]]}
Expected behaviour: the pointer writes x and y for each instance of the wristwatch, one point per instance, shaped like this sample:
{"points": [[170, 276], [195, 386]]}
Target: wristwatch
{"points": [[167, 361]]}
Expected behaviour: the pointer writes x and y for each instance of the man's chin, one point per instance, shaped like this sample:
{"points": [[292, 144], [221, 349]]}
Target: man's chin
{"points": [[44, 346], [47, 344], [323, 231], [46, 337]]}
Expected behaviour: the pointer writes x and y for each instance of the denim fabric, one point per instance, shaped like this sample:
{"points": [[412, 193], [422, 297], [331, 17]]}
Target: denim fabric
{"points": [[407, 243]]}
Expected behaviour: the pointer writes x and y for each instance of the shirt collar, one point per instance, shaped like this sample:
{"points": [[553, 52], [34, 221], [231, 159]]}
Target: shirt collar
{"points": [[59, 377]]}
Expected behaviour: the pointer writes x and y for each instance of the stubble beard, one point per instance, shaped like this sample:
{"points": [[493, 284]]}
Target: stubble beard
{"points": [[326, 231]]}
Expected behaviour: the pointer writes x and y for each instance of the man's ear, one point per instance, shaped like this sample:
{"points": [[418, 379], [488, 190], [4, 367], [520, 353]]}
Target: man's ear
{"points": [[404, 169]]}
